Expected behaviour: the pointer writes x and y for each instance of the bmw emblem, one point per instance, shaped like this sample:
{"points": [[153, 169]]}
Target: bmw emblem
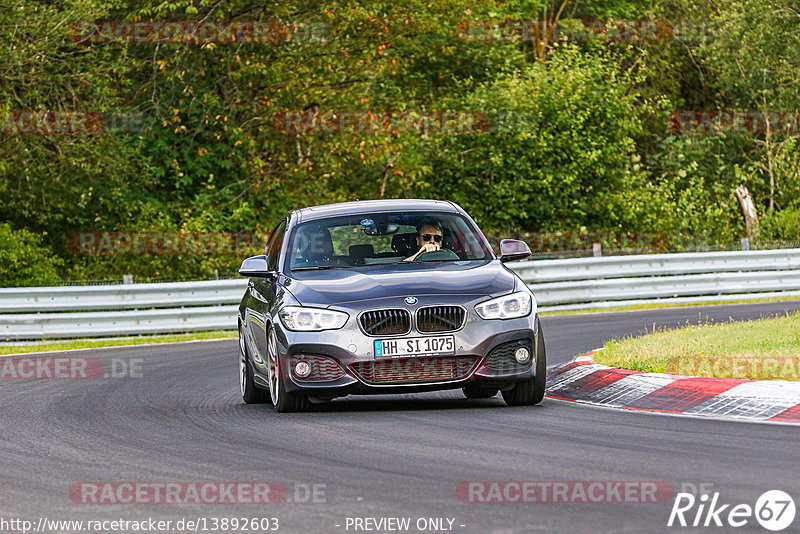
{"points": [[411, 300]]}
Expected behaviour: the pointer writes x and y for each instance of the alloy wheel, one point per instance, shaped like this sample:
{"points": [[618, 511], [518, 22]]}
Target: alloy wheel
{"points": [[273, 366]]}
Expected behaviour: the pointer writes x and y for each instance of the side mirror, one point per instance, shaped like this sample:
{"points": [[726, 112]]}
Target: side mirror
{"points": [[255, 267], [513, 249]]}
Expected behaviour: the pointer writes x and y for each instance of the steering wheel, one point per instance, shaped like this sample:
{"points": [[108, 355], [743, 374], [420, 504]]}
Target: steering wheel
{"points": [[441, 254]]}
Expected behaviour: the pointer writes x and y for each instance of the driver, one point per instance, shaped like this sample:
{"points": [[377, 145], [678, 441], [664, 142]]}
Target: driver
{"points": [[429, 237]]}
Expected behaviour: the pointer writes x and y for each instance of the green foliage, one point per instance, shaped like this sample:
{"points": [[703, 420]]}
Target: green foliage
{"points": [[729, 55], [24, 260], [559, 152], [579, 137], [691, 198], [780, 226]]}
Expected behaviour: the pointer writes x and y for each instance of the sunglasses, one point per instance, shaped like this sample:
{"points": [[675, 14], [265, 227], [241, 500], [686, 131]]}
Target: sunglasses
{"points": [[427, 237]]}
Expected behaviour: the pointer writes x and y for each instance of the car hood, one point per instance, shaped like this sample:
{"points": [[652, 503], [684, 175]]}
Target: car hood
{"points": [[342, 286]]}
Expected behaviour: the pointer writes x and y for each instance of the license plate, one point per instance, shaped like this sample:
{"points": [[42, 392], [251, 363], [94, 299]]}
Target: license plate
{"points": [[415, 346]]}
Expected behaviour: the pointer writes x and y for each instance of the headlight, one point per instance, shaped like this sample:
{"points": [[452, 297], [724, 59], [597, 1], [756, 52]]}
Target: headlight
{"points": [[311, 319], [511, 306]]}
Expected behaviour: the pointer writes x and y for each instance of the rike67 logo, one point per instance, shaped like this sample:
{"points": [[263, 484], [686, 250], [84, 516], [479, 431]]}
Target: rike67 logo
{"points": [[774, 510]]}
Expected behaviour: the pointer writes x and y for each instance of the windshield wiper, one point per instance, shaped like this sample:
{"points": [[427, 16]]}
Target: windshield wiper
{"points": [[321, 267], [427, 261]]}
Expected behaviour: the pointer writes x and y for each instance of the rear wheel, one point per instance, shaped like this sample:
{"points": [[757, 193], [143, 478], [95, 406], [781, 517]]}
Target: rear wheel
{"points": [[251, 394], [531, 391], [281, 399], [474, 391]]}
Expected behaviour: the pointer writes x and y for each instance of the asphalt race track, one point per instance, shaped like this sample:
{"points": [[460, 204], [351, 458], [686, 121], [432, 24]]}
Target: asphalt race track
{"points": [[183, 420]]}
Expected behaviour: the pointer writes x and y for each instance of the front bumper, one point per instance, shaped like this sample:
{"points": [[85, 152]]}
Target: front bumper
{"points": [[483, 356]]}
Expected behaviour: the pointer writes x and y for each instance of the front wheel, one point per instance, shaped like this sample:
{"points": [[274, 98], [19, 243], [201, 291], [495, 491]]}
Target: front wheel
{"points": [[251, 394], [531, 392], [281, 399]]}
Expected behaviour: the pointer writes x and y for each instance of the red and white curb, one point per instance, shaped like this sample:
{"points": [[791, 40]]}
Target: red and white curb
{"points": [[583, 380]]}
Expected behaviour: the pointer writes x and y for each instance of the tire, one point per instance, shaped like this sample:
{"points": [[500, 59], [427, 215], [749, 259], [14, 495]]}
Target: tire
{"points": [[251, 394], [474, 391], [282, 400], [530, 392]]}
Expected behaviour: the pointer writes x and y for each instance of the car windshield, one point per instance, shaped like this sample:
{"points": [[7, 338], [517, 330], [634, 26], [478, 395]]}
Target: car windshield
{"points": [[382, 238]]}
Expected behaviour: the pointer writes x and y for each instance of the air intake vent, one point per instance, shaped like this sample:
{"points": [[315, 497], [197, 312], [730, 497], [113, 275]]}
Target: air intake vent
{"points": [[440, 318], [501, 359], [415, 370], [386, 322], [323, 368]]}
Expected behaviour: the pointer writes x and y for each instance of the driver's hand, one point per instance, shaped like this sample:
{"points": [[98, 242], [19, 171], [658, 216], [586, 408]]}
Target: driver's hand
{"points": [[428, 247]]}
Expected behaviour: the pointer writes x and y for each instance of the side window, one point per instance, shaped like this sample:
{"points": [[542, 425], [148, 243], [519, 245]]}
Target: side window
{"points": [[274, 245]]}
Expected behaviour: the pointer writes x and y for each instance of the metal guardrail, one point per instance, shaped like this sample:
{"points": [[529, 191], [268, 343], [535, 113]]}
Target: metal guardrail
{"points": [[536, 272], [63, 325], [62, 312], [121, 297], [654, 287]]}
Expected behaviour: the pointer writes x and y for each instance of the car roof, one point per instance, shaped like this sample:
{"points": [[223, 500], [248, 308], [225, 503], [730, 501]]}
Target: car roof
{"points": [[374, 206]]}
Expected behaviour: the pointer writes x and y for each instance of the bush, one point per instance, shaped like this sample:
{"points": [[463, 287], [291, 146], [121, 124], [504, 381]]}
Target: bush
{"points": [[24, 260], [780, 226], [561, 153]]}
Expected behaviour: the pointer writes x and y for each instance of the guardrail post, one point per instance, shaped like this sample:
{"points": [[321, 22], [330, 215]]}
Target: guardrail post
{"points": [[745, 243], [127, 278], [597, 249]]}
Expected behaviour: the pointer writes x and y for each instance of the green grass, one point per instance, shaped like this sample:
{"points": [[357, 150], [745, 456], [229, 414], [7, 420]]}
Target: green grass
{"points": [[665, 304], [764, 349], [95, 343]]}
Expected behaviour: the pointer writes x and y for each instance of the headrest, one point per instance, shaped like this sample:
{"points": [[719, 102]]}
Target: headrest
{"points": [[362, 251], [405, 244], [314, 243]]}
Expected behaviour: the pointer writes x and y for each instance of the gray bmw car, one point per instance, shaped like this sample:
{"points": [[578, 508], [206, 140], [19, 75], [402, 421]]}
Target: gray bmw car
{"points": [[386, 296]]}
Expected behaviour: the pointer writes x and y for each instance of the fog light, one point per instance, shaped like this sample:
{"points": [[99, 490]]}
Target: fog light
{"points": [[302, 369], [522, 355]]}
